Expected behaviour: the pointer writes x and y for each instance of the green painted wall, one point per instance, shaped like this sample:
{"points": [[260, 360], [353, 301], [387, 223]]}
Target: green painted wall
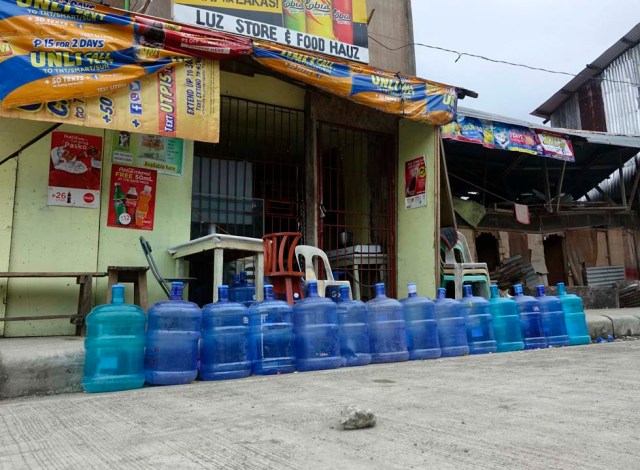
{"points": [[417, 227], [263, 89], [38, 237]]}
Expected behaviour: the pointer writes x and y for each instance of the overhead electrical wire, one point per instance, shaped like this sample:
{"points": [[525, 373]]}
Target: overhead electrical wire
{"points": [[496, 61]]}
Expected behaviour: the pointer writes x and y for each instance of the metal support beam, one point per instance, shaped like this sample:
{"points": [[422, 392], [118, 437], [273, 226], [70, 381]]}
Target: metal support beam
{"points": [[513, 166], [634, 188], [605, 195], [623, 188]]}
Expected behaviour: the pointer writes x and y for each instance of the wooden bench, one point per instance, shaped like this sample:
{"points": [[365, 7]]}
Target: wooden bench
{"points": [[84, 279]]}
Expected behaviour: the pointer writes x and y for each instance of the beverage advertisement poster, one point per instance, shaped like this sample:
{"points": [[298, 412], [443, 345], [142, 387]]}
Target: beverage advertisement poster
{"points": [[75, 166], [557, 145], [415, 183], [132, 198], [163, 154], [333, 27]]}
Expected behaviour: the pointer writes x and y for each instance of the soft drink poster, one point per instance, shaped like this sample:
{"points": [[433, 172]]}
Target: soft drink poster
{"points": [[132, 198]]}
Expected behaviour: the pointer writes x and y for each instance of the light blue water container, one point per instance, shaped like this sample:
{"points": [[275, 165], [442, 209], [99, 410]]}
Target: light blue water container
{"points": [[530, 320], [171, 356], [422, 329], [354, 333], [114, 347], [574, 317], [387, 330], [224, 349], [452, 331], [315, 325], [552, 318], [506, 322], [479, 323], [272, 338]]}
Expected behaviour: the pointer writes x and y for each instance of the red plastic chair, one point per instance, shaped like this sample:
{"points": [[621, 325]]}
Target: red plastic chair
{"points": [[280, 264]]}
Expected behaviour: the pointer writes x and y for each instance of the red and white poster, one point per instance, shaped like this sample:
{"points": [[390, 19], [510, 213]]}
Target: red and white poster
{"points": [[415, 187], [132, 197], [75, 166]]}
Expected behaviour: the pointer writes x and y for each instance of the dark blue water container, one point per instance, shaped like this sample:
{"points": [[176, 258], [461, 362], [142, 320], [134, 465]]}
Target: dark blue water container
{"points": [[224, 350], [242, 291], [387, 330], [506, 322], [422, 329], [552, 318], [354, 333], [173, 333], [574, 318], [114, 358], [315, 324], [452, 330], [475, 311], [530, 320], [272, 338]]}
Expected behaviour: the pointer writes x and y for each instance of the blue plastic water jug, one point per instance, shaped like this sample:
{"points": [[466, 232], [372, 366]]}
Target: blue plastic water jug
{"points": [[242, 291], [530, 320], [272, 339], [387, 330], [114, 346], [422, 329], [315, 324], [475, 311], [224, 350], [552, 318], [451, 326], [574, 317], [354, 333], [506, 322], [171, 357]]}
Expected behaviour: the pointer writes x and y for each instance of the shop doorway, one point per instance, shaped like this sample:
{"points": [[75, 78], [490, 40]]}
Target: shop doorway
{"points": [[250, 183], [358, 206], [487, 250], [554, 259]]}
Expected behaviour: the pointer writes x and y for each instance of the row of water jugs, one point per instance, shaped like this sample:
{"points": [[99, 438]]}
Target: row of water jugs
{"points": [[226, 340]]}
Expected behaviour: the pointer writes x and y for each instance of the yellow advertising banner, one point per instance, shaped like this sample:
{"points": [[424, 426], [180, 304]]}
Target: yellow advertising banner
{"points": [[182, 100]]}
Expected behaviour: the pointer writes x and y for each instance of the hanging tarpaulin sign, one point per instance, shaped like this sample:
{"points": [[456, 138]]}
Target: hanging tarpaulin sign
{"points": [[333, 27], [180, 101], [163, 154], [556, 144], [415, 183], [74, 170], [502, 136], [132, 198], [410, 97], [57, 50]]}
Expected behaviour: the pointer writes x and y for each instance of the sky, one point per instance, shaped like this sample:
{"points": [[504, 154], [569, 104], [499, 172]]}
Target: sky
{"points": [[562, 35]]}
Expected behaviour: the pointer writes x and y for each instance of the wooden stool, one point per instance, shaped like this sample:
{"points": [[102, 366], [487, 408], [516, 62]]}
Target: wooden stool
{"points": [[137, 275]]}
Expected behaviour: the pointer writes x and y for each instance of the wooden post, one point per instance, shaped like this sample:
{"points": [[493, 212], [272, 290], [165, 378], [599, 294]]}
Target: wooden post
{"points": [[547, 186], [564, 167]]}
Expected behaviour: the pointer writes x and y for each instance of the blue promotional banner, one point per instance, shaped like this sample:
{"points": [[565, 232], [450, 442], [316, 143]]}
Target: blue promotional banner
{"points": [[401, 95]]}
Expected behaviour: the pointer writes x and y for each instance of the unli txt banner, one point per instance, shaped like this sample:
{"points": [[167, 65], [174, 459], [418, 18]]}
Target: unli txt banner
{"points": [[401, 95], [61, 50]]}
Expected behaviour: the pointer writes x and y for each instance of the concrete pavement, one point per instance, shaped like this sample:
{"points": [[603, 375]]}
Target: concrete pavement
{"points": [[554, 408]]}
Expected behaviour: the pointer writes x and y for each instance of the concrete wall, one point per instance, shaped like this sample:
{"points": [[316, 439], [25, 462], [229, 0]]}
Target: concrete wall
{"points": [[417, 242], [392, 25], [38, 237]]}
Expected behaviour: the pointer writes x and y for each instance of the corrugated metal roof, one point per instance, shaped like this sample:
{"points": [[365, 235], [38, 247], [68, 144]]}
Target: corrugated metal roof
{"points": [[628, 41], [621, 140]]}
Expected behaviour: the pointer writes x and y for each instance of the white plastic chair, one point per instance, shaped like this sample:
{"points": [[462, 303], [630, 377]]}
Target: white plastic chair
{"points": [[308, 253]]}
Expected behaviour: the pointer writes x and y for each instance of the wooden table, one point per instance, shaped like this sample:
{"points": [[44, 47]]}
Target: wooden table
{"points": [[229, 247], [84, 279], [353, 257]]}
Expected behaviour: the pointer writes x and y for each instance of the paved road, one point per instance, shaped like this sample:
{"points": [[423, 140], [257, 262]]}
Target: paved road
{"points": [[568, 408]]}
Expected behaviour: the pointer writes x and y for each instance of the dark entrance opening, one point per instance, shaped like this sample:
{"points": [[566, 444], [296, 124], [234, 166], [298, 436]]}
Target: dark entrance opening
{"points": [[554, 259], [487, 250]]}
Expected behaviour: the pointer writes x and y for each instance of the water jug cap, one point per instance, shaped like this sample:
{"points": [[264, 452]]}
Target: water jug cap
{"points": [[268, 292], [442, 293], [380, 289], [517, 290], [176, 290], [117, 294], [223, 293], [344, 293], [413, 290], [540, 290], [468, 291], [495, 293], [561, 289], [312, 287]]}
